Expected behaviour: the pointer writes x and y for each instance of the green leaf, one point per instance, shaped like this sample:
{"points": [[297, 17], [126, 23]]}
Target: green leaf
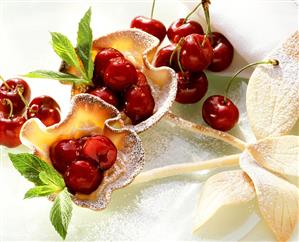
{"points": [[52, 177], [56, 76], [84, 43], [61, 213], [65, 50], [41, 191]]}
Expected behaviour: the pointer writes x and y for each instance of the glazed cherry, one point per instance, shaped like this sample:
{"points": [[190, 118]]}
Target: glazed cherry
{"points": [[10, 90], [106, 94], [44, 108], [220, 114], [82, 177], [180, 28], [139, 103], [141, 79], [120, 74], [10, 130], [101, 61], [63, 153], [196, 53], [223, 52], [100, 149], [164, 55], [149, 25], [191, 87]]}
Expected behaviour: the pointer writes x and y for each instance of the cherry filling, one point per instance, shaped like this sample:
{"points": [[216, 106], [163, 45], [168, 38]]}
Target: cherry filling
{"points": [[83, 161]]}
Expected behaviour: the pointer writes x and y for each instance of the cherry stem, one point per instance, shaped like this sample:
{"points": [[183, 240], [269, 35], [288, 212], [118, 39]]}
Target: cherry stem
{"points": [[153, 7], [178, 51], [193, 11], [205, 5], [20, 93], [263, 62], [4, 82], [185, 168], [8, 102]]}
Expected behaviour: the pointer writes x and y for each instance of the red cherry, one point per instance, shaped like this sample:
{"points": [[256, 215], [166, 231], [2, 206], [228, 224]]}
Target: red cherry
{"points": [[101, 62], [63, 153], [12, 94], [179, 29], [196, 53], [220, 114], [139, 103], [106, 94], [44, 108], [120, 74], [100, 149], [223, 52], [4, 108], [163, 57], [149, 25], [191, 87], [82, 177], [10, 130]]}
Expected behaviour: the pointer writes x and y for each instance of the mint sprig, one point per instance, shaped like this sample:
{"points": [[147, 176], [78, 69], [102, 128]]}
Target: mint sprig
{"points": [[79, 57], [47, 182]]}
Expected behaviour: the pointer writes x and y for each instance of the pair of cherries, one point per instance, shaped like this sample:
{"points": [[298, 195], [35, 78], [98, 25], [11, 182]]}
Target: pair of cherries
{"points": [[14, 98], [189, 53], [120, 84], [83, 161]]}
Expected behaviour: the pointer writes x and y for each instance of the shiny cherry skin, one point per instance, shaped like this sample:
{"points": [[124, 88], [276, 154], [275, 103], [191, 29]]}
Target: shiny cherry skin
{"points": [[219, 114], [191, 87], [12, 94], [196, 53], [151, 26], [102, 60], [163, 57], [100, 149], [223, 52], [64, 153], [82, 177], [4, 108], [10, 130], [46, 109], [139, 103], [141, 79], [106, 94], [179, 29], [120, 74]]}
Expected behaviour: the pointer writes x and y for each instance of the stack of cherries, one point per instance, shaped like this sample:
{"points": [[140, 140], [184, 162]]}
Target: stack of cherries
{"points": [[189, 54], [15, 109], [83, 161], [118, 82]]}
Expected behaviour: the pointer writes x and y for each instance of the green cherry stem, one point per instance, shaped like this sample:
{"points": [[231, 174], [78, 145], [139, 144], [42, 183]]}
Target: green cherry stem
{"points": [[4, 82], [153, 7], [8, 102], [263, 62], [178, 51], [205, 5], [193, 11], [20, 93]]}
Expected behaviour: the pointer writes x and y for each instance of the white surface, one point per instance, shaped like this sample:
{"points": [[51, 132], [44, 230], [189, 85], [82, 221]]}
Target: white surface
{"points": [[163, 210]]}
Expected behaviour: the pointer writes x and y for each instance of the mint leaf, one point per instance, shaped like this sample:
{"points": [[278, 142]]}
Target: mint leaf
{"points": [[84, 43], [52, 178], [61, 213], [65, 50], [41, 191], [56, 76]]}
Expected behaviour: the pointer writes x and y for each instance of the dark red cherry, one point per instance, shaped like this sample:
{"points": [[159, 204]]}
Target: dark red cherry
{"points": [[223, 52], [220, 114], [82, 177], [196, 53], [179, 29], [191, 87], [164, 55], [100, 149], [149, 25], [139, 103], [4, 108], [44, 108], [102, 60], [120, 74], [106, 94], [10, 130], [9, 90], [63, 153], [141, 80]]}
